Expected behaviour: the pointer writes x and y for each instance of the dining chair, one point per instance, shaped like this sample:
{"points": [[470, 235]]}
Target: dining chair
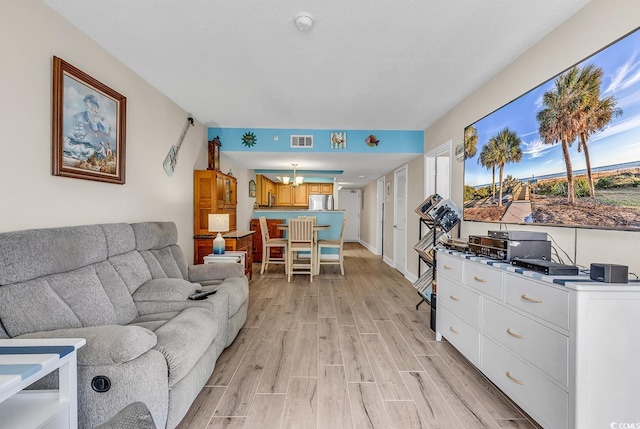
{"points": [[332, 244], [301, 240], [269, 243]]}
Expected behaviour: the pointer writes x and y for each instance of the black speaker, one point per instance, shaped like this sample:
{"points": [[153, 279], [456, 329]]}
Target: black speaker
{"points": [[609, 273]]}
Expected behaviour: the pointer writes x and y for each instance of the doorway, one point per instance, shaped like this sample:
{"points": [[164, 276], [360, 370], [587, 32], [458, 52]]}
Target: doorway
{"points": [[349, 201], [400, 220]]}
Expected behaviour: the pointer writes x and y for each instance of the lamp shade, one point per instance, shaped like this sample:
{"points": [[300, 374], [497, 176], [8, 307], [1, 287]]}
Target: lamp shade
{"points": [[218, 222]]}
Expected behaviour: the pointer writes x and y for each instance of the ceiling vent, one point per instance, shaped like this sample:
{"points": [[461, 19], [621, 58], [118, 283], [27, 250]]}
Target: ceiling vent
{"points": [[301, 141]]}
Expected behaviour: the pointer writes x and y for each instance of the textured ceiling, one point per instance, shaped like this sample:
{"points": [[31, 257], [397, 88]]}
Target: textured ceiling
{"points": [[365, 64]]}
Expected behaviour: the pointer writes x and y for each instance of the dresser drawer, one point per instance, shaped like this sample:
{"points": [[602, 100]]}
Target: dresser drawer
{"points": [[449, 266], [463, 336], [548, 303], [546, 402], [485, 279], [461, 301], [540, 345]]}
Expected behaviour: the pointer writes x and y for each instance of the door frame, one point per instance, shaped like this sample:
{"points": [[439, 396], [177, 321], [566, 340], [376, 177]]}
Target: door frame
{"points": [[430, 168], [403, 246], [380, 216]]}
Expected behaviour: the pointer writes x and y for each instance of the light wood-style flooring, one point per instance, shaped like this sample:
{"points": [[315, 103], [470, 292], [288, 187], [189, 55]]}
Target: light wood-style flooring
{"points": [[346, 351]]}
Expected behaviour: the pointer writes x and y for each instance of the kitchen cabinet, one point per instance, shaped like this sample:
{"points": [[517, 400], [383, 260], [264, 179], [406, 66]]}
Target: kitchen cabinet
{"points": [[320, 188], [274, 232], [264, 188], [563, 349], [213, 192], [290, 196]]}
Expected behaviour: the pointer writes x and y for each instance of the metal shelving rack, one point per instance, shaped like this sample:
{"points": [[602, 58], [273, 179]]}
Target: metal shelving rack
{"points": [[439, 216]]}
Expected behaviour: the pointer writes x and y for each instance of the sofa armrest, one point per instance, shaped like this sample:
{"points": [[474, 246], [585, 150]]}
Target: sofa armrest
{"points": [[107, 344], [215, 271]]}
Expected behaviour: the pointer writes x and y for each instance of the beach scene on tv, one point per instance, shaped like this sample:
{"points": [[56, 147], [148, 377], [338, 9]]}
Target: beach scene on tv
{"points": [[566, 153]]}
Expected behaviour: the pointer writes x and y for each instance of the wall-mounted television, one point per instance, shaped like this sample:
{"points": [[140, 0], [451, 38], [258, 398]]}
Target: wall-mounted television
{"points": [[567, 152]]}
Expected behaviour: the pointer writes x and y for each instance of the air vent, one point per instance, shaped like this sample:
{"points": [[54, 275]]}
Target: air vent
{"points": [[301, 141]]}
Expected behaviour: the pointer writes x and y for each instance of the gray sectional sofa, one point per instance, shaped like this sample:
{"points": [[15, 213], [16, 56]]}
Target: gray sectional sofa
{"points": [[123, 287]]}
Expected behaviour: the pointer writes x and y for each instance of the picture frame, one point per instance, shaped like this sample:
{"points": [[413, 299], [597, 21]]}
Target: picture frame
{"points": [[89, 127], [252, 188]]}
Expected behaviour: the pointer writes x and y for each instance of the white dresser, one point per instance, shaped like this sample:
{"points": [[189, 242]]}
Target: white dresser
{"points": [[566, 349]]}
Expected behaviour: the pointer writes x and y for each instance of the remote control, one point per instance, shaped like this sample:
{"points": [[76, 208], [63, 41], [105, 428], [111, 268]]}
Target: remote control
{"points": [[201, 295]]}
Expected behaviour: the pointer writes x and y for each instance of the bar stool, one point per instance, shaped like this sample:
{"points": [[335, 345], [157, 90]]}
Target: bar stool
{"points": [[269, 243], [333, 244], [301, 240]]}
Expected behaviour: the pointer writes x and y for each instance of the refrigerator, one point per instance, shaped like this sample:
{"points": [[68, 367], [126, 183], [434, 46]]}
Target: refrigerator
{"points": [[320, 202]]}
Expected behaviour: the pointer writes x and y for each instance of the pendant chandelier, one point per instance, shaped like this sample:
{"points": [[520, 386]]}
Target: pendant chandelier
{"points": [[297, 180]]}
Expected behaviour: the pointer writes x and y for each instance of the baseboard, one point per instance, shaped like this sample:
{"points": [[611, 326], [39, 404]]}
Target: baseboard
{"points": [[411, 277], [370, 248], [389, 261]]}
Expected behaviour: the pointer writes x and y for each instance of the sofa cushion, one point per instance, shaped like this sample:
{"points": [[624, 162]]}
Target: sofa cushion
{"points": [[154, 235], [164, 289], [27, 255], [237, 289], [83, 293], [132, 268], [120, 238], [185, 338], [106, 345], [216, 271], [162, 263], [117, 291], [33, 306]]}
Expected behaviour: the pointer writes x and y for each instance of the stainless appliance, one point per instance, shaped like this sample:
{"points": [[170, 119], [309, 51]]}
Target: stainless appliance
{"points": [[320, 202], [271, 199]]}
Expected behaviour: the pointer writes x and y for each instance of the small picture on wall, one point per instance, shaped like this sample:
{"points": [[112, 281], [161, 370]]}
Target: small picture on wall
{"points": [[252, 188], [339, 140]]}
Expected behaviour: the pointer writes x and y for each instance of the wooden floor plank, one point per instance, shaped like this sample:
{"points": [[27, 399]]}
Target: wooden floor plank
{"points": [[469, 411], [434, 411], [226, 423], [266, 412], [309, 311], [398, 348], [275, 377], [403, 415], [242, 388], [366, 407], [230, 358], [334, 409], [355, 358], [305, 355], [301, 405], [201, 411], [326, 307], [386, 374], [414, 338], [330, 352]]}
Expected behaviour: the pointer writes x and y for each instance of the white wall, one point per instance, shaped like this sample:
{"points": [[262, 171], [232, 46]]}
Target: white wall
{"points": [[30, 197], [596, 25]]}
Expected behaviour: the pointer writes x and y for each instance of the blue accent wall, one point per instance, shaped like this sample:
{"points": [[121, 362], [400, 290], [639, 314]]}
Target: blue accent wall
{"points": [[390, 141]]}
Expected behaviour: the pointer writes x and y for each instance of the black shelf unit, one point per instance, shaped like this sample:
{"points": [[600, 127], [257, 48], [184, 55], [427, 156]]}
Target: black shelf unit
{"points": [[439, 216]]}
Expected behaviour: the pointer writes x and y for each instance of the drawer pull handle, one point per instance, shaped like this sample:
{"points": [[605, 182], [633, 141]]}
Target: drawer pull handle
{"points": [[513, 334], [515, 380], [535, 300], [454, 330], [453, 297], [479, 279], [447, 267]]}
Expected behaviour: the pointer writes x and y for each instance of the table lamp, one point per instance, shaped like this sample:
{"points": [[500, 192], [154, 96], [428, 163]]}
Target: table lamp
{"points": [[218, 223]]}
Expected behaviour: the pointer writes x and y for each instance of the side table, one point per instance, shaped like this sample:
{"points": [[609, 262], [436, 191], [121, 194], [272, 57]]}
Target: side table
{"points": [[25, 361]]}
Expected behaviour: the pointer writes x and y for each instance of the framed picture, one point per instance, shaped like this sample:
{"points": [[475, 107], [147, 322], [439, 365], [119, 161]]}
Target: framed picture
{"points": [[338, 140], [252, 188], [89, 121]]}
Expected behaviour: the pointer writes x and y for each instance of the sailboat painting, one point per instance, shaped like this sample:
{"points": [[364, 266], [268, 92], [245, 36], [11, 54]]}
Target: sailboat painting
{"points": [[88, 140]]}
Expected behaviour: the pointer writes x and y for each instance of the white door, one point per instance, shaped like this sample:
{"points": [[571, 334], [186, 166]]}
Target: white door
{"points": [[400, 220], [349, 201]]}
